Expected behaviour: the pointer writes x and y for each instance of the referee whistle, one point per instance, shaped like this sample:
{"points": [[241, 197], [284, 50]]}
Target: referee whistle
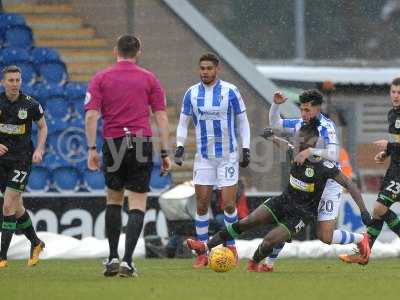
{"points": [[128, 137]]}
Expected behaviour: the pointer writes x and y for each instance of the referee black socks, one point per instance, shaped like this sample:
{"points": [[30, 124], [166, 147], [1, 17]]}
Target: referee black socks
{"points": [[113, 223], [133, 230]]}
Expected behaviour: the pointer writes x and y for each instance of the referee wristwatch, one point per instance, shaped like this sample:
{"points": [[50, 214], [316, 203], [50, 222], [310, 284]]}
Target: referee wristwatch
{"points": [[91, 148]]}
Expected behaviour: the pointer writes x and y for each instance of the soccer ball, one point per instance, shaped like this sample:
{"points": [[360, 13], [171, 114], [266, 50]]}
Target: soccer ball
{"points": [[221, 259]]}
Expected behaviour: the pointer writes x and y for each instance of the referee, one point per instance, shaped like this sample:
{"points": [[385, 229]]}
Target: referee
{"points": [[122, 95]]}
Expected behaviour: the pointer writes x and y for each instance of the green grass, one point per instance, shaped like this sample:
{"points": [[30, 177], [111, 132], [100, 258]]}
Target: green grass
{"points": [[175, 279]]}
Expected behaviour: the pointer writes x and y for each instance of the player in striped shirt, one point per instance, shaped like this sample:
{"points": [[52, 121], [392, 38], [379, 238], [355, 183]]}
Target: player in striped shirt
{"points": [[218, 114], [327, 147]]}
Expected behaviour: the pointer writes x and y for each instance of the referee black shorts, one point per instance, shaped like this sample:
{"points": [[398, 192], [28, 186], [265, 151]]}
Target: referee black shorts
{"points": [[128, 168]]}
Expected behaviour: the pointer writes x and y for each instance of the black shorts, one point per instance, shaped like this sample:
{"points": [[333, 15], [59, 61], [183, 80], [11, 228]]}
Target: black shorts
{"points": [[390, 188], [285, 215], [132, 170], [14, 174]]}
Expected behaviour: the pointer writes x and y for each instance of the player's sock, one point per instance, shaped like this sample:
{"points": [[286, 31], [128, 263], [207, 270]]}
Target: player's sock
{"points": [[24, 223], [113, 223], [274, 255], [133, 230], [229, 233], [373, 230], [230, 219], [261, 253], [8, 228], [345, 237], [201, 224], [393, 221]]}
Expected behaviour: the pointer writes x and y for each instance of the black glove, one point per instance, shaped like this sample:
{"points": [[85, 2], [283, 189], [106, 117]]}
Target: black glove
{"points": [[178, 157], [245, 157], [267, 133], [366, 218]]}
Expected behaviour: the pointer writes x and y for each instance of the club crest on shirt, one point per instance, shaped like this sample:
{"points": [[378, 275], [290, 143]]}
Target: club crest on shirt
{"points": [[22, 114], [309, 172], [397, 124], [328, 164]]}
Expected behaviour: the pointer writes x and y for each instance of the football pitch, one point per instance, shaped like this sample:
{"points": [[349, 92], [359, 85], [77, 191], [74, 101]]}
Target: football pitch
{"points": [[175, 279]]}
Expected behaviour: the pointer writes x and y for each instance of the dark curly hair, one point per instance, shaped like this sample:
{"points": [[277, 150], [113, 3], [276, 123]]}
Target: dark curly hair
{"points": [[313, 96]]}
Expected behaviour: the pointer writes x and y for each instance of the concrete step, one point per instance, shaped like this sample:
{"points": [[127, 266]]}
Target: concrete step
{"points": [[52, 22], [86, 67], [80, 77], [86, 55], [72, 43], [24, 8], [67, 33]]}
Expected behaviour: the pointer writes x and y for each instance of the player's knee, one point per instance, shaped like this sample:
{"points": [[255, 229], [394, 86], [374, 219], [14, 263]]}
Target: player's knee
{"points": [[202, 208], [325, 237], [8, 208], [229, 208], [379, 211]]}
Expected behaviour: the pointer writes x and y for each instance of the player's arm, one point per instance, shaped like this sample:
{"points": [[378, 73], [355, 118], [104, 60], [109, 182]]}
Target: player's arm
{"points": [[182, 129], [355, 194], [275, 120], [41, 140]]}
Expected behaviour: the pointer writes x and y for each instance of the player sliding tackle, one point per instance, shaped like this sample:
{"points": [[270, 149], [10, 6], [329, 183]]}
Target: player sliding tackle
{"points": [[294, 208]]}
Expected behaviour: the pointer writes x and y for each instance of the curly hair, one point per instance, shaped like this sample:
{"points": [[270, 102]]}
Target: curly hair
{"points": [[313, 96]]}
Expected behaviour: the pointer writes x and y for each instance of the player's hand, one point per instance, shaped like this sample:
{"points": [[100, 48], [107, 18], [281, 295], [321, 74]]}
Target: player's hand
{"points": [[245, 157], [302, 156], [279, 97], [37, 156], [178, 157], [3, 149], [381, 144], [165, 166], [380, 157], [93, 161], [366, 218]]}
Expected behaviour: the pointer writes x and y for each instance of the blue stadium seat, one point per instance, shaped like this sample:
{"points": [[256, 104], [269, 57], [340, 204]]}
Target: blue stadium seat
{"points": [[41, 55], [28, 73], [53, 72], [39, 179], [157, 182], [66, 178], [55, 91], [19, 36], [9, 19], [56, 125], [77, 121], [12, 55], [57, 109], [52, 160], [75, 90], [79, 108], [94, 180], [28, 90]]}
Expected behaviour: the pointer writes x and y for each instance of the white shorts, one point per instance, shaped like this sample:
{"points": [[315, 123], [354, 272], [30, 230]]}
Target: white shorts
{"points": [[216, 171], [328, 208]]}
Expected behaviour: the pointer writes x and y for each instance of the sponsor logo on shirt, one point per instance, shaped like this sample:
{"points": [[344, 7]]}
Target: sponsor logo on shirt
{"points": [[12, 129], [397, 124], [301, 185], [209, 114]]}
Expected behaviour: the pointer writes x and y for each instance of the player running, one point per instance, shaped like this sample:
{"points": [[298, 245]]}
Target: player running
{"points": [[218, 112], [328, 148], [294, 208], [390, 188]]}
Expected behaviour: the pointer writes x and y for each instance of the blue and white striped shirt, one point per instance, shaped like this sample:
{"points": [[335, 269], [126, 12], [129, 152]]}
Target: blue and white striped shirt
{"points": [[213, 110]]}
